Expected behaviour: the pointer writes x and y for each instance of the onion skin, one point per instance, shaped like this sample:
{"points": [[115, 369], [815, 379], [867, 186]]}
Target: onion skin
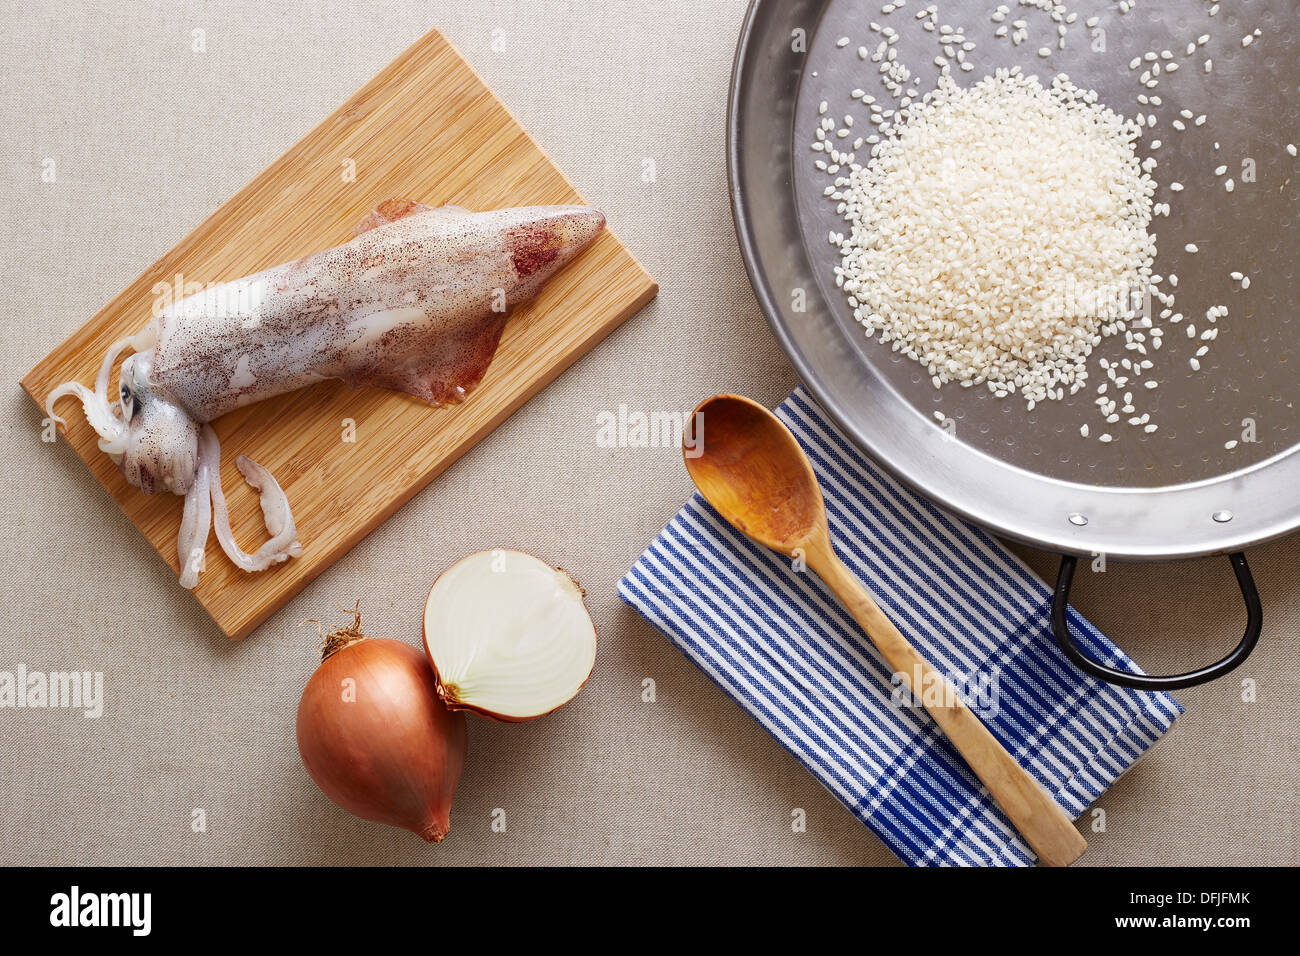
{"points": [[454, 703], [394, 753]]}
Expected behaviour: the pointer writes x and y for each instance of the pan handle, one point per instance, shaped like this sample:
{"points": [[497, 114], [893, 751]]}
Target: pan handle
{"points": [[1061, 628]]}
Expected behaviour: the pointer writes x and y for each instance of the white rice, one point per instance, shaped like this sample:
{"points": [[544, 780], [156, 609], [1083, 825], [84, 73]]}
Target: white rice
{"points": [[997, 233]]}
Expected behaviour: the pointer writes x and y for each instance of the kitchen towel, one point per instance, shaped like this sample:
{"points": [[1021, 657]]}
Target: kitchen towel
{"points": [[777, 641]]}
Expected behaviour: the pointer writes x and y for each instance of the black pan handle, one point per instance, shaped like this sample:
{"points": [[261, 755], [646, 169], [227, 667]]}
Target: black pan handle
{"points": [[1061, 628]]}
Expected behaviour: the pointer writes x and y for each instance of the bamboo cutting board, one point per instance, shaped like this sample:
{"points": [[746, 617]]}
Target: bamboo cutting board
{"points": [[426, 128]]}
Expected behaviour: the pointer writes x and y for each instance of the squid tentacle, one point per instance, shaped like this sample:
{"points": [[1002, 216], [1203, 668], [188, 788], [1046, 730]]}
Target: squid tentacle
{"points": [[99, 411], [284, 542], [196, 523], [112, 430]]}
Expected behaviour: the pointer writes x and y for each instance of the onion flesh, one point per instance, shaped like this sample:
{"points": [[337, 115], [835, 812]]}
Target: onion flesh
{"points": [[377, 739], [508, 636]]}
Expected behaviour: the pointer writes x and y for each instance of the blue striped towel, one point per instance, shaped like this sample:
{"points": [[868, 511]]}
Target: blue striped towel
{"points": [[777, 641]]}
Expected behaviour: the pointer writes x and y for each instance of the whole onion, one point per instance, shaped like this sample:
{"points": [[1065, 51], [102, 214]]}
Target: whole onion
{"points": [[375, 736]]}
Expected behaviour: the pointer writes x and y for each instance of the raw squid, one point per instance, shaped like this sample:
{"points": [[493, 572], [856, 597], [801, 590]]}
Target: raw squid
{"points": [[415, 302]]}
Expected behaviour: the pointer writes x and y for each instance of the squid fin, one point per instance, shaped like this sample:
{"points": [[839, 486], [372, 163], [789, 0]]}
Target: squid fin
{"points": [[447, 376], [391, 210]]}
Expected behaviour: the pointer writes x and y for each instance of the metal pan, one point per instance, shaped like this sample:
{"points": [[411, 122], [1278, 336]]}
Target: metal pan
{"points": [[1030, 476]]}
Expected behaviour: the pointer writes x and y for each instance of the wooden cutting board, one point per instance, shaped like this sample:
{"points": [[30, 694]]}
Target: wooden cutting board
{"points": [[426, 128]]}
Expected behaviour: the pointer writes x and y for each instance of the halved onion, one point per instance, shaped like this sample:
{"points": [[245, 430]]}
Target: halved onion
{"points": [[508, 636]]}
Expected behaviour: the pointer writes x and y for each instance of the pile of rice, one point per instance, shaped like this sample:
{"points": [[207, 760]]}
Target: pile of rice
{"points": [[998, 232]]}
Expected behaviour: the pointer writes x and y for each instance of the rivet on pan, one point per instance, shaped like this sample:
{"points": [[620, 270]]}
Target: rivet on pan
{"points": [[1076, 518], [1222, 516]]}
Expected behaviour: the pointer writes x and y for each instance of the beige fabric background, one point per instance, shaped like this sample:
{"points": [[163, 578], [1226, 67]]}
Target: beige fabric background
{"points": [[148, 137]]}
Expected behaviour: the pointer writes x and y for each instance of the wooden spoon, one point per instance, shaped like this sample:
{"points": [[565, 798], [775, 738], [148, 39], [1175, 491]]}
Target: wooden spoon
{"points": [[750, 468]]}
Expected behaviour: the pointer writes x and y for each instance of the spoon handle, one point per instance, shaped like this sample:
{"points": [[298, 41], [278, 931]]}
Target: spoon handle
{"points": [[1041, 821]]}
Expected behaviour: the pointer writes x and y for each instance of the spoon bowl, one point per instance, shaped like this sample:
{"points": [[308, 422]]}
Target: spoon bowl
{"points": [[753, 472]]}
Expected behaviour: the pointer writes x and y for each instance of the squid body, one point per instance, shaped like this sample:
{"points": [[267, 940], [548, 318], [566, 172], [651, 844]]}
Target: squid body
{"points": [[415, 302]]}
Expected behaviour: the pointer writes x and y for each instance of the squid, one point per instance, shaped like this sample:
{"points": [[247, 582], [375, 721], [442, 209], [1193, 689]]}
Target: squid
{"points": [[415, 302]]}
